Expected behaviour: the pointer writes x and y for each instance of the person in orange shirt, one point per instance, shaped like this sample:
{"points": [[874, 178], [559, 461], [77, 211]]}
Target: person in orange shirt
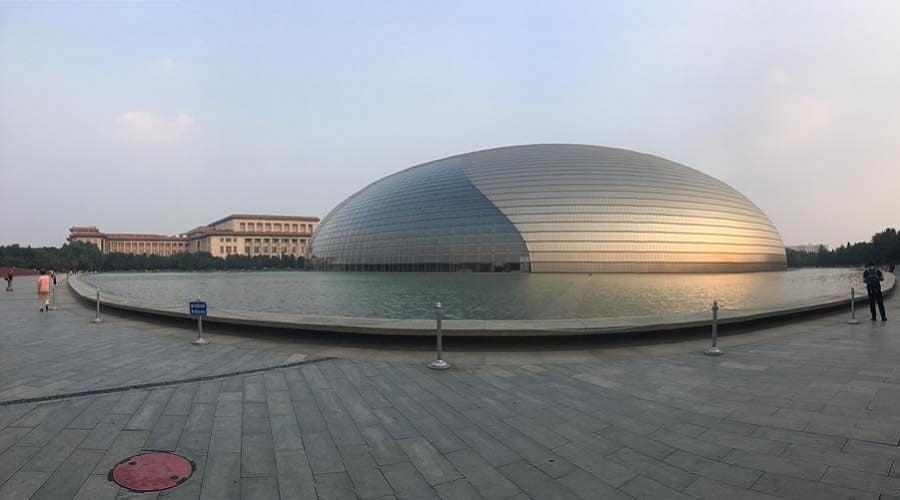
{"points": [[43, 290]]}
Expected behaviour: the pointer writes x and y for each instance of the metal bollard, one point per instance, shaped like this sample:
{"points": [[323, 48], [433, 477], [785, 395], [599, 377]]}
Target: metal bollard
{"points": [[97, 319], [714, 350], [852, 320], [439, 363]]}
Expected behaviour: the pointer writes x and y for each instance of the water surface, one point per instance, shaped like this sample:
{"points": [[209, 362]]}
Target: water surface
{"points": [[480, 296]]}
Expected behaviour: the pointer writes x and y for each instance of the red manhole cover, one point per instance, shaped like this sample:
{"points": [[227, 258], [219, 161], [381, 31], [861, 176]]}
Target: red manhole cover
{"points": [[152, 471]]}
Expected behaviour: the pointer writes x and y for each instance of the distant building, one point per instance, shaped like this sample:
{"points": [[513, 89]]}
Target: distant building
{"points": [[809, 247], [239, 234]]}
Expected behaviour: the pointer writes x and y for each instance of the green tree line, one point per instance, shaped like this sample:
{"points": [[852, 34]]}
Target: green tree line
{"points": [[884, 248], [80, 256]]}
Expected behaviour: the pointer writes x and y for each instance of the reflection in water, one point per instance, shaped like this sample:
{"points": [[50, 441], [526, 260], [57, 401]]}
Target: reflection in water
{"points": [[482, 295]]}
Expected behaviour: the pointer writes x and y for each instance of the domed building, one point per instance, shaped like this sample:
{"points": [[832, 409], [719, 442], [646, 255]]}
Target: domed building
{"points": [[549, 208]]}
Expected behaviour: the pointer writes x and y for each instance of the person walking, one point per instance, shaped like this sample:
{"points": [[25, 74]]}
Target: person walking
{"points": [[43, 291], [873, 278], [9, 279]]}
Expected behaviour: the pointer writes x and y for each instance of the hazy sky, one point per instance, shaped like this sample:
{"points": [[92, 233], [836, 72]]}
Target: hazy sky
{"points": [[162, 116]]}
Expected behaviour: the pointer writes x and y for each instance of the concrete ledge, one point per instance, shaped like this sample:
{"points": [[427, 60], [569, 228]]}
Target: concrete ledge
{"points": [[478, 328]]}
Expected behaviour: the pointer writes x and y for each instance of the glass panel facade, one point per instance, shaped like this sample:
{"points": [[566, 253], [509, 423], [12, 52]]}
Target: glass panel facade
{"points": [[428, 218], [552, 208]]}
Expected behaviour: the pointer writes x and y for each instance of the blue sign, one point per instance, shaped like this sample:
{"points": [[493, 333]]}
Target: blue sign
{"points": [[198, 308]]}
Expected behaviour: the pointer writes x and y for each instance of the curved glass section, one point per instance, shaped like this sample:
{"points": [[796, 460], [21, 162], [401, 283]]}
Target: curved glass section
{"points": [[596, 209], [550, 208], [427, 218]]}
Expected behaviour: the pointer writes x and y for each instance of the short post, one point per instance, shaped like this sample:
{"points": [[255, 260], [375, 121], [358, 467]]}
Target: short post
{"points": [[714, 349], [200, 340], [852, 320], [97, 319], [439, 363]]}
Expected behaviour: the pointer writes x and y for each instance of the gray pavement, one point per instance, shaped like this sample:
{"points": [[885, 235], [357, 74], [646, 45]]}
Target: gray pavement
{"points": [[800, 410]]}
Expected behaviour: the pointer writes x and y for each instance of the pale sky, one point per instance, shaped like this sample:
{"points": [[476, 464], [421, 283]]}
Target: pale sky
{"points": [[158, 117]]}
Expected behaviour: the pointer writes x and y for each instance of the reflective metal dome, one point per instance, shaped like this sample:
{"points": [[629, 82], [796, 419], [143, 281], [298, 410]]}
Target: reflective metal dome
{"points": [[549, 208]]}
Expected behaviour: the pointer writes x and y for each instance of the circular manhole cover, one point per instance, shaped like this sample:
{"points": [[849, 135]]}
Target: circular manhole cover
{"points": [[153, 471]]}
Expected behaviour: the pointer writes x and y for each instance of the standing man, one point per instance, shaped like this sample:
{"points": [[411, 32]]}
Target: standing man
{"points": [[9, 279], [43, 290], [873, 279]]}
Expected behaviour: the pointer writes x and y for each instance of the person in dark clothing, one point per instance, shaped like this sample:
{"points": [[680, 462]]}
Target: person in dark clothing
{"points": [[873, 279]]}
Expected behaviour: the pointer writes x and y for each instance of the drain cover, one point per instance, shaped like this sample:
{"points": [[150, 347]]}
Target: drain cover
{"points": [[153, 471]]}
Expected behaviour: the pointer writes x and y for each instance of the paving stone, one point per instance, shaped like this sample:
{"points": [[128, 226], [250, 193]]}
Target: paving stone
{"points": [[456, 490], [190, 489], [588, 486], [492, 450], [181, 401], [334, 486], [534, 483], [97, 488], [200, 418], [66, 480], [790, 487], [751, 444], [279, 403], [166, 433], [54, 422], [12, 435], [194, 444], [343, 430], [126, 444], [865, 463], [486, 479], [609, 471], [22, 484], [645, 488], [295, 478], [713, 490], [254, 389], [207, 392], [226, 435], [152, 407], [57, 450], [95, 412], [800, 438], [257, 455], [230, 404], [406, 481], [801, 469], [691, 445], [364, 472], [537, 432], [222, 479], [275, 382], [382, 446], [430, 463], [259, 488], [725, 473], [323, 454], [395, 423], [309, 417], [659, 470], [865, 481]]}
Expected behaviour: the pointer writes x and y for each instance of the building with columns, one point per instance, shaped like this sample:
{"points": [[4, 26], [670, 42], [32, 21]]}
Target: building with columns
{"points": [[239, 234]]}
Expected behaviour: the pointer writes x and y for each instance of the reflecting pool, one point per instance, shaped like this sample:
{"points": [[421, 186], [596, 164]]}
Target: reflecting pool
{"points": [[481, 296]]}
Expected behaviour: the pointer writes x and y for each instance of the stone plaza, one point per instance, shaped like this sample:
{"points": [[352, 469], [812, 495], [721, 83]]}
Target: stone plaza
{"points": [[806, 409]]}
